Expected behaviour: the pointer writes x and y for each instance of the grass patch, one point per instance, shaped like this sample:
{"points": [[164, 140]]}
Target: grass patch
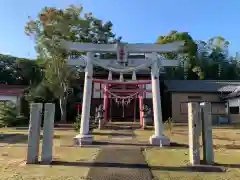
{"points": [[165, 163], [12, 159]]}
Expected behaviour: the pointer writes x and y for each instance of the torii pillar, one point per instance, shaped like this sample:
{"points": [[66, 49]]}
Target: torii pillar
{"points": [[158, 138], [83, 138], [106, 98], [140, 98], [105, 104]]}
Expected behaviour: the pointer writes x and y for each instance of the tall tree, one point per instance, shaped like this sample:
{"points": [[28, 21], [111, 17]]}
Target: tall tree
{"points": [[214, 59], [18, 71], [54, 25], [187, 56]]}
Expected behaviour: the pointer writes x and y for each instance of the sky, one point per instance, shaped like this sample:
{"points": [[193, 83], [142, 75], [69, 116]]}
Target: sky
{"points": [[137, 21]]}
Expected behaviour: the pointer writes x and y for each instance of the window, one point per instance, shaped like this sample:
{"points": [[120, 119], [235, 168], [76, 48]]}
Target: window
{"points": [[234, 110], [194, 97], [183, 108], [218, 108]]}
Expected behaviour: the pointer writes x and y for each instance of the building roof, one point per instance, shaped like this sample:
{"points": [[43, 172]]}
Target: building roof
{"points": [[234, 94], [6, 89], [224, 86]]}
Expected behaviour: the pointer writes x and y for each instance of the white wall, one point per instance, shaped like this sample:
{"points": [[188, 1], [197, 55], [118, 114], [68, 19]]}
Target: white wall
{"points": [[96, 94], [149, 87], [9, 98], [234, 102]]}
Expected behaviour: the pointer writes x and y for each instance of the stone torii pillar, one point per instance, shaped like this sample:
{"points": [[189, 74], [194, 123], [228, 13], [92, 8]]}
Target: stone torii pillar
{"points": [[158, 138], [83, 137]]}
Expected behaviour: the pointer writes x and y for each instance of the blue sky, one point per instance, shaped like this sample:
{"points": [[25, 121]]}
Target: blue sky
{"points": [[134, 20]]}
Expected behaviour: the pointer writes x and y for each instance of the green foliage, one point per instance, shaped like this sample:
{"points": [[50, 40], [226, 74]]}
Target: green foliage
{"points": [[190, 45], [49, 29], [40, 93], [18, 71], [201, 59], [168, 124], [9, 115], [77, 122]]}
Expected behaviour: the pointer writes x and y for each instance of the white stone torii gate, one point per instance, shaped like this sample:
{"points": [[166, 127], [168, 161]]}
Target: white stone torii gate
{"points": [[152, 60]]}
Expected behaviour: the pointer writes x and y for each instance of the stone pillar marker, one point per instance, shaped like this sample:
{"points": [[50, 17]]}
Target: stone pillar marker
{"points": [[48, 133], [84, 137], [194, 132], [207, 133], [158, 138], [34, 133]]}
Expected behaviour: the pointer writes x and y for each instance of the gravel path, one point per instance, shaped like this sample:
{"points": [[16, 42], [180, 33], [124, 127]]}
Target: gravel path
{"points": [[122, 162]]}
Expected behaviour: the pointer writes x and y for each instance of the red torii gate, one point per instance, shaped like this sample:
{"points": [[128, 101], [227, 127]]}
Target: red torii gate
{"points": [[139, 90]]}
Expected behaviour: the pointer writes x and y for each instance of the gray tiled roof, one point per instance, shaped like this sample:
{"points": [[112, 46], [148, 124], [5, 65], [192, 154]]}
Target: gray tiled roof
{"points": [[226, 86]]}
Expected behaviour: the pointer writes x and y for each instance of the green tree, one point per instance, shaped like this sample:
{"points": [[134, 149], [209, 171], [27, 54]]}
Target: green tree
{"points": [[54, 25], [187, 57], [214, 59], [28, 71], [19, 71]]}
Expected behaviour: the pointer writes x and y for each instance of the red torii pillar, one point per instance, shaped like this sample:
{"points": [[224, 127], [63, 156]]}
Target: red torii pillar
{"points": [[105, 104], [140, 98]]}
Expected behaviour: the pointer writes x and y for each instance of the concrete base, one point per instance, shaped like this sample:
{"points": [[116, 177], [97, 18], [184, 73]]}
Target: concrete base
{"points": [[81, 140], [159, 140]]}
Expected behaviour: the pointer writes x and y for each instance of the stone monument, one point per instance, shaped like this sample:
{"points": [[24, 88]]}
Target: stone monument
{"points": [[206, 116], [34, 133], [200, 122], [147, 116], [194, 132], [48, 133], [100, 119]]}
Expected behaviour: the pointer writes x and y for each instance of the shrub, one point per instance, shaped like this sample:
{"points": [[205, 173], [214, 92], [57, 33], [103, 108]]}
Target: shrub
{"points": [[77, 122], [168, 124], [76, 125], [9, 115]]}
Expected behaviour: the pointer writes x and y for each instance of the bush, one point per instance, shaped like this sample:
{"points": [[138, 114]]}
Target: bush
{"points": [[9, 115], [168, 124], [77, 122], [76, 125]]}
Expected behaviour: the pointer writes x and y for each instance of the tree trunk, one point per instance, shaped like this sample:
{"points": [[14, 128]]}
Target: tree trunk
{"points": [[63, 108]]}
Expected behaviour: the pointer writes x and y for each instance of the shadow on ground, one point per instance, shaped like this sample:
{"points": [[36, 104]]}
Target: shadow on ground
{"points": [[122, 126], [110, 134], [18, 138], [55, 128], [228, 165], [227, 146], [224, 138], [200, 168], [137, 144], [230, 126]]}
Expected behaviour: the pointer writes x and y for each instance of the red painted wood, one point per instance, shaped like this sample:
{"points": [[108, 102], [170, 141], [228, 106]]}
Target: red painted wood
{"points": [[140, 82], [140, 109], [105, 104], [125, 90]]}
